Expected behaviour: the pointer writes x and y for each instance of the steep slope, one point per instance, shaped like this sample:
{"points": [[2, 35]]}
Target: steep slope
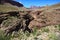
{"points": [[9, 5], [12, 2]]}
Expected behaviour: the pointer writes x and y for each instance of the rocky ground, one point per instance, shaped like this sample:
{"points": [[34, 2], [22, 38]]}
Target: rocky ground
{"points": [[45, 33]]}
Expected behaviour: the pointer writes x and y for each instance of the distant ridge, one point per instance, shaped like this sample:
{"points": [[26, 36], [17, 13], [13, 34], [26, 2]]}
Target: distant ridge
{"points": [[9, 5], [12, 2]]}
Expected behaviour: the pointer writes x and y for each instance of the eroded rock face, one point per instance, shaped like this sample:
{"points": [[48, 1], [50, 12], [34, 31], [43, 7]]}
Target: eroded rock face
{"points": [[45, 18], [16, 21]]}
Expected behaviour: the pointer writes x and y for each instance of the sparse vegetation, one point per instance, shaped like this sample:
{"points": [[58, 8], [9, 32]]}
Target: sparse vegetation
{"points": [[3, 37], [45, 29], [52, 36], [45, 33], [9, 21], [59, 27], [6, 8]]}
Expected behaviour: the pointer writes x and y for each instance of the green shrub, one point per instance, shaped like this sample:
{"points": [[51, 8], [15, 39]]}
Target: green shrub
{"points": [[52, 36], [34, 31], [45, 29], [3, 37], [59, 27]]}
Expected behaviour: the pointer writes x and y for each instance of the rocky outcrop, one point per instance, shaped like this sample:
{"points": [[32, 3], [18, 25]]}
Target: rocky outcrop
{"points": [[4, 16], [15, 21], [45, 18]]}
